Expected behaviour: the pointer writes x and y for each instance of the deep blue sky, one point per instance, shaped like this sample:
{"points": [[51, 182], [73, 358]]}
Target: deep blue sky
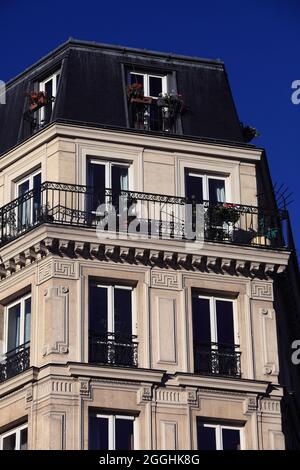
{"points": [[259, 41]]}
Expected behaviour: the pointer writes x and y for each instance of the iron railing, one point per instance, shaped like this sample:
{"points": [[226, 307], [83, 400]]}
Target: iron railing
{"points": [[15, 362], [217, 359], [113, 349], [147, 214], [151, 117]]}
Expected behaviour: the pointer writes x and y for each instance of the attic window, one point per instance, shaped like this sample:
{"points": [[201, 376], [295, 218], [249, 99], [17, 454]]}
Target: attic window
{"points": [[153, 104]]}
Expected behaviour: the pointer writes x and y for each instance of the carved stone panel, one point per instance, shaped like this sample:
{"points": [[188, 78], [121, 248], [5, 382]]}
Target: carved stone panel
{"points": [[262, 290], [56, 320], [63, 269], [166, 280]]}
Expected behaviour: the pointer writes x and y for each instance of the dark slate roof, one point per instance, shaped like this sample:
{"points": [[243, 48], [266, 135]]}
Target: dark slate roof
{"points": [[92, 91]]}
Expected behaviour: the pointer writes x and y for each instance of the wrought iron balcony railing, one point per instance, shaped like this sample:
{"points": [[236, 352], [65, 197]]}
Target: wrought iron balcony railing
{"points": [[15, 362], [151, 117], [113, 349], [152, 215], [217, 359]]}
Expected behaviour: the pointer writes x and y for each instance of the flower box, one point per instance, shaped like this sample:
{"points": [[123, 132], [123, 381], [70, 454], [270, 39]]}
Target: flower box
{"points": [[144, 100]]}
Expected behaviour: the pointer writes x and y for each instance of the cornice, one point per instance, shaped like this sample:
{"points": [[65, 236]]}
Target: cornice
{"points": [[82, 243]]}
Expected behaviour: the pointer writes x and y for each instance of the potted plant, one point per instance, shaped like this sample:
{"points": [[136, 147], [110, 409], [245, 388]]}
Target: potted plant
{"points": [[37, 99], [264, 235], [225, 213], [172, 101], [135, 94], [220, 219]]}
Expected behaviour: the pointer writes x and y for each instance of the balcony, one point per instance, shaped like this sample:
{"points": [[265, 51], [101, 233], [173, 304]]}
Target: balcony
{"points": [[149, 116], [113, 349], [15, 362], [217, 359], [153, 216]]}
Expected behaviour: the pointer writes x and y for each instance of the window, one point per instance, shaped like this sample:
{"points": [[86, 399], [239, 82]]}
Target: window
{"points": [[200, 187], [49, 86], [215, 335], [146, 111], [17, 325], [111, 432], [16, 439], [102, 175], [28, 211], [153, 84], [218, 437], [111, 325]]}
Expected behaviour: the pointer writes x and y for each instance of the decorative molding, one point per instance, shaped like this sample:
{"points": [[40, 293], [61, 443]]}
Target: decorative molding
{"points": [[269, 406], [267, 334], [169, 433], [262, 290], [56, 320], [62, 269], [166, 280], [84, 387], [249, 406], [169, 396], [192, 398], [145, 394], [29, 395]]}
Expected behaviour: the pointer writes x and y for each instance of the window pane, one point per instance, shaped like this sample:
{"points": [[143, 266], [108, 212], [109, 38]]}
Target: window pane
{"points": [[36, 196], [194, 188], [98, 308], [216, 189], [96, 179], [98, 433], [231, 439], [14, 316], [206, 437], [201, 319], [225, 328], [27, 320], [119, 182], [135, 78], [155, 85], [23, 439], [23, 188], [48, 107], [124, 434], [123, 310], [9, 442]]}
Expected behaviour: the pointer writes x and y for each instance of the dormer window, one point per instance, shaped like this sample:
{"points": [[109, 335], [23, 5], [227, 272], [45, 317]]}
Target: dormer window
{"points": [[153, 105]]}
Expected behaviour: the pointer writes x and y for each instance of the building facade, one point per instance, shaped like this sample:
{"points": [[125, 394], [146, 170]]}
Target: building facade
{"points": [[154, 339]]}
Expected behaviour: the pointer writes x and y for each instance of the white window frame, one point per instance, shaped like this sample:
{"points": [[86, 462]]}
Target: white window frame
{"points": [[147, 76], [108, 169], [29, 178], [21, 301], [42, 84], [218, 433], [16, 431], [112, 428], [205, 183], [110, 306], [213, 316]]}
